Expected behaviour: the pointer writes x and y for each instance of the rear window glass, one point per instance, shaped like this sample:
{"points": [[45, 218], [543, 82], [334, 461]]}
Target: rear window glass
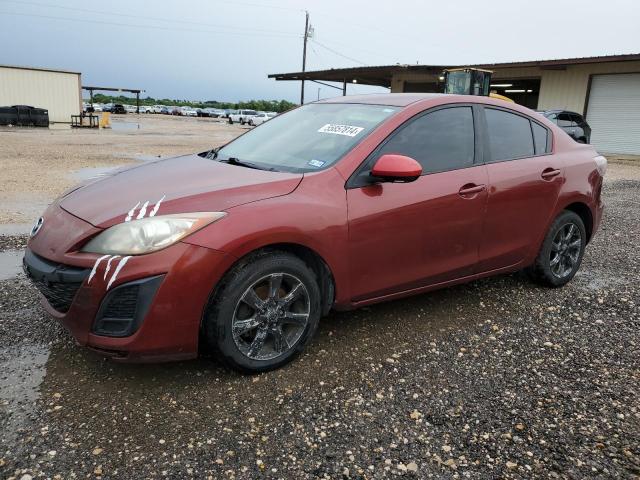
{"points": [[509, 135]]}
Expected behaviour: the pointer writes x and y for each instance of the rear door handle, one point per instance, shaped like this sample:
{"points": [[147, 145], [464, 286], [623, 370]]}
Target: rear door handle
{"points": [[470, 189], [549, 173]]}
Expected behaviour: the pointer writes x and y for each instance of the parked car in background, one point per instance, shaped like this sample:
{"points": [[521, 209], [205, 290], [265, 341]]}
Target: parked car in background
{"points": [[202, 112], [107, 107], [176, 111], [259, 119], [189, 112], [165, 110], [119, 109], [571, 122], [130, 108], [242, 116], [146, 109], [221, 248], [97, 107]]}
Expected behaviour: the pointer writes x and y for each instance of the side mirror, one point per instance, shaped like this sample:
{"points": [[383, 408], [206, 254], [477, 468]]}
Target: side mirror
{"points": [[396, 168]]}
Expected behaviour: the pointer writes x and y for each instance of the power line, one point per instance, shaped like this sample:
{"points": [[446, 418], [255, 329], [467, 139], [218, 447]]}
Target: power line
{"points": [[337, 53], [155, 27], [159, 19]]}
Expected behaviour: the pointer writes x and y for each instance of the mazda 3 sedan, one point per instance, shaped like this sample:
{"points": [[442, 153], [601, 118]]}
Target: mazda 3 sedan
{"points": [[336, 204]]}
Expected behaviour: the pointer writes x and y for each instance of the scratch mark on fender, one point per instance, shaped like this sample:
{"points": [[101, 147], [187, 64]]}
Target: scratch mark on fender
{"points": [[95, 267], [156, 207], [143, 210], [131, 212], [106, 270], [117, 270]]}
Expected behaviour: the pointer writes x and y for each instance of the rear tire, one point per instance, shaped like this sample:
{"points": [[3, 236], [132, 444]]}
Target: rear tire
{"points": [[561, 253], [264, 312]]}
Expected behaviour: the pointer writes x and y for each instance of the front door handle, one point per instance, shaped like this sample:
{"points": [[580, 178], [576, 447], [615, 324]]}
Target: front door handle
{"points": [[549, 173], [470, 189]]}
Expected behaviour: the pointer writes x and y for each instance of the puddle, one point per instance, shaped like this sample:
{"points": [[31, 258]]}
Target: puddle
{"points": [[22, 370], [10, 263], [117, 125], [15, 228]]}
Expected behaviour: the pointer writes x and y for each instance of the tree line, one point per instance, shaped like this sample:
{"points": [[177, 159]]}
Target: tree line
{"points": [[263, 105]]}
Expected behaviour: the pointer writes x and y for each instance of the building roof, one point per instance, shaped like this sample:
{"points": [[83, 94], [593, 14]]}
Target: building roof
{"points": [[390, 99], [381, 75], [39, 69]]}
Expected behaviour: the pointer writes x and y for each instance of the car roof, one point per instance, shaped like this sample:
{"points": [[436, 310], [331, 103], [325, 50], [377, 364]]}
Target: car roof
{"points": [[391, 99]]}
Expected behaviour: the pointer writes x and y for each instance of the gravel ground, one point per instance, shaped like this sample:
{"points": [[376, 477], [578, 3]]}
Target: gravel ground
{"points": [[499, 378]]}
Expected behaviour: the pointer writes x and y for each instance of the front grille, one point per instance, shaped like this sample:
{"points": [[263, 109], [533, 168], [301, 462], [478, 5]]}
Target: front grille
{"points": [[123, 303], [59, 295], [58, 283]]}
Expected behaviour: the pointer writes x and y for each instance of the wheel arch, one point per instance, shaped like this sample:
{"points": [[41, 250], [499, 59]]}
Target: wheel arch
{"points": [[312, 258], [586, 215]]}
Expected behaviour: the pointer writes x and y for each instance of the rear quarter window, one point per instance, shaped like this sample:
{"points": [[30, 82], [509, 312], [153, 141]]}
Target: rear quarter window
{"points": [[540, 138]]}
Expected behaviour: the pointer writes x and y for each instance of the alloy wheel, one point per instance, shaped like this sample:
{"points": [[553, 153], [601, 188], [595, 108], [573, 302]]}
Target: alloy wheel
{"points": [[565, 250], [271, 316]]}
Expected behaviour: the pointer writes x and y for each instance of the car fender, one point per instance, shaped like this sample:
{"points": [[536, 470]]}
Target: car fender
{"points": [[313, 216]]}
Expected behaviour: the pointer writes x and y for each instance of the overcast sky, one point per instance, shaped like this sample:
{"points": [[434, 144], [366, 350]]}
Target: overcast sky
{"points": [[224, 49]]}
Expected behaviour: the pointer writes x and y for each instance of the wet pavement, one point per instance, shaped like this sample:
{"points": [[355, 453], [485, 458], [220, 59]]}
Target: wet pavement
{"points": [[499, 378], [10, 263]]}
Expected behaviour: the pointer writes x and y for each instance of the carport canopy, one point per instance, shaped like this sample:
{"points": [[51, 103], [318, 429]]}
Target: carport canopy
{"points": [[113, 89]]}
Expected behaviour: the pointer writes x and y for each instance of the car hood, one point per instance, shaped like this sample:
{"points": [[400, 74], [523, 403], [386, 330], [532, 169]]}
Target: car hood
{"points": [[176, 185]]}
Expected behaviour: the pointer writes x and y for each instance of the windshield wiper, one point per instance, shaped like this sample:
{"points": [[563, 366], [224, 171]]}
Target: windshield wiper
{"points": [[241, 163], [211, 154]]}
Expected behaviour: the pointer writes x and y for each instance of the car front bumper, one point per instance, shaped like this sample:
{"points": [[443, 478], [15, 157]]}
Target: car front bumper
{"points": [[151, 311]]}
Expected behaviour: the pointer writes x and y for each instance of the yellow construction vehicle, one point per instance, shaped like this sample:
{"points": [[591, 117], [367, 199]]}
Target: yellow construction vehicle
{"points": [[470, 81]]}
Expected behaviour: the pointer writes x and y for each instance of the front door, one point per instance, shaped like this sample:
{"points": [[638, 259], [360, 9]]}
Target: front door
{"points": [[408, 235]]}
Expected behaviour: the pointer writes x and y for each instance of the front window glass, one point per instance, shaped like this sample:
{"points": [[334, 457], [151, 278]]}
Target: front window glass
{"points": [[441, 140], [308, 138]]}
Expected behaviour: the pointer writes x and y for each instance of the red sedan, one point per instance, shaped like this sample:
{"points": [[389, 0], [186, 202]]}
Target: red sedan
{"points": [[336, 204]]}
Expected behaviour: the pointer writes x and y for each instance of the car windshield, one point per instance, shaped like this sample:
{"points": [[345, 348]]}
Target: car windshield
{"points": [[308, 138]]}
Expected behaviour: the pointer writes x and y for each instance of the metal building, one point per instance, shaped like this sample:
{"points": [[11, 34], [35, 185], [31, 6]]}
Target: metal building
{"points": [[58, 91], [606, 89]]}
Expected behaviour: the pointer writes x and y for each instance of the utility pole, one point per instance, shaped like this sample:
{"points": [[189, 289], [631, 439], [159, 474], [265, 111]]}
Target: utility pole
{"points": [[304, 54]]}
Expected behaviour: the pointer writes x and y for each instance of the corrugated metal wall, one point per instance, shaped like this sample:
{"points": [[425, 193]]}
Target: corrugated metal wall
{"points": [[565, 89], [58, 92]]}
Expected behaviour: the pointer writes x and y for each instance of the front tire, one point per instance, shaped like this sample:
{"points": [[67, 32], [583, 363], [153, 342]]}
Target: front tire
{"points": [[264, 312], [562, 250]]}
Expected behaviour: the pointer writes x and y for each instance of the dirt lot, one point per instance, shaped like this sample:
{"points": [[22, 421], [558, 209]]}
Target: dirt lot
{"points": [[496, 379], [38, 164]]}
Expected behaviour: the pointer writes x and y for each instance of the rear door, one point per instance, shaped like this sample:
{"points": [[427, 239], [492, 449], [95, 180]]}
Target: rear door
{"points": [[408, 235], [524, 182]]}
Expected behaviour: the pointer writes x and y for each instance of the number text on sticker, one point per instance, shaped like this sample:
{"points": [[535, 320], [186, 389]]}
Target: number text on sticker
{"points": [[347, 130]]}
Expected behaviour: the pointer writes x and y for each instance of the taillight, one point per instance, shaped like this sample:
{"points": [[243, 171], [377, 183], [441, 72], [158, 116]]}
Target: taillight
{"points": [[601, 164]]}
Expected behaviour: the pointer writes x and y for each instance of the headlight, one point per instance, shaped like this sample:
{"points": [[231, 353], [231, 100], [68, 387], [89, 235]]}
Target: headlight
{"points": [[149, 234]]}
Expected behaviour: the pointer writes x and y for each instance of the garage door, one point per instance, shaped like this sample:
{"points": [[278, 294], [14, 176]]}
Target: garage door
{"points": [[614, 113]]}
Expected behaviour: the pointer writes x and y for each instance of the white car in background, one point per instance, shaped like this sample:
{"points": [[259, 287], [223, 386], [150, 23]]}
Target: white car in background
{"points": [[157, 109], [130, 108], [242, 116], [146, 109], [97, 107], [189, 112], [259, 119]]}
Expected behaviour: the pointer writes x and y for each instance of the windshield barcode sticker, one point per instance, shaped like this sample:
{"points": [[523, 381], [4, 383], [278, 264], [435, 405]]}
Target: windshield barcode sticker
{"points": [[347, 130]]}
